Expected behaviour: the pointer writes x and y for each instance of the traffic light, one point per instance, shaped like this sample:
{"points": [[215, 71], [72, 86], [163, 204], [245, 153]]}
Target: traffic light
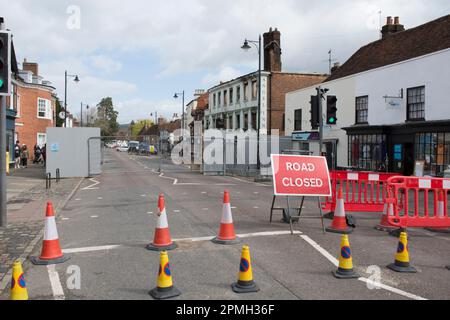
{"points": [[331, 110], [314, 112], [5, 63]]}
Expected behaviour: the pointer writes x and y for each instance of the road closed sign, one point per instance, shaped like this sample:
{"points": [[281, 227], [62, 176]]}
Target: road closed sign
{"points": [[295, 175]]}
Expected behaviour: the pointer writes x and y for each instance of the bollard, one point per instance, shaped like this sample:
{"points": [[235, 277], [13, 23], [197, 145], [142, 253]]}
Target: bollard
{"points": [[48, 181], [58, 175]]}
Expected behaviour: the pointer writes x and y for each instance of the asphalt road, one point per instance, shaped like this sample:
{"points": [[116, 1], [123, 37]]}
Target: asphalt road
{"points": [[117, 209]]}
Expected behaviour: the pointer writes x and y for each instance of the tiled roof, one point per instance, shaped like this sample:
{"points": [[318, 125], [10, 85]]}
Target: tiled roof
{"points": [[415, 42]]}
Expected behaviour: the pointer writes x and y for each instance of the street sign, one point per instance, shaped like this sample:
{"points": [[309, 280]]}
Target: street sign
{"points": [[62, 115], [297, 175]]}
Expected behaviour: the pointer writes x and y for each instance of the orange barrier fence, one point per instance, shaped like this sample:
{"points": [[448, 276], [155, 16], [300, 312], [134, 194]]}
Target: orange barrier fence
{"points": [[419, 202], [362, 191]]}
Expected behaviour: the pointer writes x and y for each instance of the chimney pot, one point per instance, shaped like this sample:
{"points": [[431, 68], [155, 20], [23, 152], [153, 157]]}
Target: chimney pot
{"points": [[396, 20], [389, 20]]}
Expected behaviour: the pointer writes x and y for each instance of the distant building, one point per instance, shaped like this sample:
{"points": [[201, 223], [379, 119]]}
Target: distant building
{"points": [[34, 102], [234, 104]]}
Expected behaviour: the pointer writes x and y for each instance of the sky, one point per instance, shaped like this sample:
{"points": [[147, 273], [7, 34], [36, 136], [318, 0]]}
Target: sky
{"points": [[140, 52]]}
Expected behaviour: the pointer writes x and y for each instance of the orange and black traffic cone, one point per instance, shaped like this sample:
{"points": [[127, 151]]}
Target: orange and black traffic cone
{"points": [[162, 240], [388, 210], [164, 288], [345, 268], [401, 263], [339, 224], [18, 285], [51, 251], [226, 232], [245, 281]]}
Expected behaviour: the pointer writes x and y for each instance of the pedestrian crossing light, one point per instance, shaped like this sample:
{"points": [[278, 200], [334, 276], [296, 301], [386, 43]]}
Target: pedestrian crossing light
{"points": [[5, 63], [331, 110]]}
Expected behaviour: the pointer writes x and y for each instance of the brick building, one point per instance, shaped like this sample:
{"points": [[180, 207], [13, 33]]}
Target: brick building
{"points": [[234, 104], [34, 101]]}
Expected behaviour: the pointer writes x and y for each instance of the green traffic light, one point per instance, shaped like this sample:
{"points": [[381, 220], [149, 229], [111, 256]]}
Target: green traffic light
{"points": [[1, 83], [331, 120]]}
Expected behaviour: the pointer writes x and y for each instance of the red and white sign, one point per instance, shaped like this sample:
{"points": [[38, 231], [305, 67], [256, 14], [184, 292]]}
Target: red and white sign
{"points": [[295, 175]]}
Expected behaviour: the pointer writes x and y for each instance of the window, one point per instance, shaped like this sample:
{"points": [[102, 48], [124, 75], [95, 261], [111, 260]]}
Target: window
{"points": [[231, 96], [298, 120], [416, 103], [214, 99], [245, 91], [254, 89], [44, 109], [225, 98], [238, 93], [367, 151], [434, 150], [219, 101], [41, 139], [362, 109]]}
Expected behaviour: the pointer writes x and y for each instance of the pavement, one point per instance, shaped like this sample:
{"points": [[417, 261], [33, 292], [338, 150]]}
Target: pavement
{"points": [[26, 200], [105, 226]]}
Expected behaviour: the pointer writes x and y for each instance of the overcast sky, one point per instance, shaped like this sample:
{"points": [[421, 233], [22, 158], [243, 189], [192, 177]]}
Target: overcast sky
{"points": [[140, 52]]}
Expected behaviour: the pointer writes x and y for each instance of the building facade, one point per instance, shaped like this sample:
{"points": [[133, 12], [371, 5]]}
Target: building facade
{"points": [[234, 104], [34, 102], [391, 101]]}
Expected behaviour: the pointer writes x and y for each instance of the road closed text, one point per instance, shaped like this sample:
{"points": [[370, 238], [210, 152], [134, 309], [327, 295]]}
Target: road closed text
{"points": [[302, 182]]}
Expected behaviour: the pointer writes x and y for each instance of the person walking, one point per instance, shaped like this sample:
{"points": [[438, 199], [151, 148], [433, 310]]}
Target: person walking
{"points": [[24, 156], [17, 152], [37, 154], [43, 152]]}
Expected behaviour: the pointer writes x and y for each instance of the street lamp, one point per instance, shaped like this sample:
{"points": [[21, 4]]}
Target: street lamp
{"points": [[76, 79], [247, 47], [87, 107], [182, 112]]}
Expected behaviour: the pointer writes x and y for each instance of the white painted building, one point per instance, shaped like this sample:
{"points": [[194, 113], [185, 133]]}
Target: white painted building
{"points": [[392, 101]]}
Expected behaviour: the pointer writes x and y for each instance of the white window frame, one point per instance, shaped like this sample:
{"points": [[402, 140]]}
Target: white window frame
{"points": [[37, 138], [48, 109]]}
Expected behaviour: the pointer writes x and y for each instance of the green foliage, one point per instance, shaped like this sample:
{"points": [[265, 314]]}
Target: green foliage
{"points": [[107, 117], [137, 126], [58, 109]]}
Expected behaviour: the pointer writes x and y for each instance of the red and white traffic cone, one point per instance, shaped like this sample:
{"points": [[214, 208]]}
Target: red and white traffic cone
{"points": [[339, 224], [384, 224], [162, 240], [440, 213], [51, 251], [226, 232]]}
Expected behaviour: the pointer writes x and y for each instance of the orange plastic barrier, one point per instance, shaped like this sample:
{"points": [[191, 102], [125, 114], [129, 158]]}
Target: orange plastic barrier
{"points": [[363, 191], [419, 202]]}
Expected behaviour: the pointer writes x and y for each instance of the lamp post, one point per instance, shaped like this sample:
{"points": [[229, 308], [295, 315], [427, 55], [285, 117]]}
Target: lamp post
{"points": [[76, 79], [81, 107], [246, 47], [182, 112]]}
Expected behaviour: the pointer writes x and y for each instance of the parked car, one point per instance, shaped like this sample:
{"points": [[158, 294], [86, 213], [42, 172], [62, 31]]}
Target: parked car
{"points": [[144, 148], [133, 147]]}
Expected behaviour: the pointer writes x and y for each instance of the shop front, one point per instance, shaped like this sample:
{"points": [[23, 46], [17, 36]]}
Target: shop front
{"points": [[401, 148], [10, 128]]}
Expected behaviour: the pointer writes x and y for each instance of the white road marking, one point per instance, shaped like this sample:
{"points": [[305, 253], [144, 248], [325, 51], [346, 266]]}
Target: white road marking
{"points": [[335, 261], [150, 212], [65, 219], [233, 207], [204, 192], [100, 198], [205, 209], [78, 199], [58, 292], [92, 186], [176, 210], [94, 217], [255, 207], [143, 195], [90, 249]]}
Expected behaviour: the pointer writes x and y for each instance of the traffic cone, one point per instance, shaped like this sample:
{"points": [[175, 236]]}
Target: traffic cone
{"points": [[384, 224], [51, 251], [440, 213], [245, 281], [164, 286], [345, 268], [18, 285], [339, 224], [162, 240], [226, 232], [401, 263]]}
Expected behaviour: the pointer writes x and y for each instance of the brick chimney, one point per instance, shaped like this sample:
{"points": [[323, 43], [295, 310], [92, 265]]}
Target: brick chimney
{"points": [[272, 50], [336, 66], [391, 27], [30, 66]]}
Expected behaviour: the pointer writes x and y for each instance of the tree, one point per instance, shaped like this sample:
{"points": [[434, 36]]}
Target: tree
{"points": [[58, 109], [136, 127], [107, 117]]}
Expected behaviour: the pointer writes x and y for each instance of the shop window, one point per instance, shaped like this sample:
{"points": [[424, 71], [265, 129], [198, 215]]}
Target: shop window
{"points": [[434, 150], [367, 152]]}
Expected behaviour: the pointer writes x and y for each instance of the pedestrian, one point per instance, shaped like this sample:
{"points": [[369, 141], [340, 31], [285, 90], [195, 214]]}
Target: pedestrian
{"points": [[24, 156], [37, 154], [17, 152], [43, 153]]}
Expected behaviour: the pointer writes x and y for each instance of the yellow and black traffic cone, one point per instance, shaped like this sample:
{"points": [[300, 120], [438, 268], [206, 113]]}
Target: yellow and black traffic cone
{"points": [[401, 263], [18, 285], [345, 268], [164, 287], [245, 281]]}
